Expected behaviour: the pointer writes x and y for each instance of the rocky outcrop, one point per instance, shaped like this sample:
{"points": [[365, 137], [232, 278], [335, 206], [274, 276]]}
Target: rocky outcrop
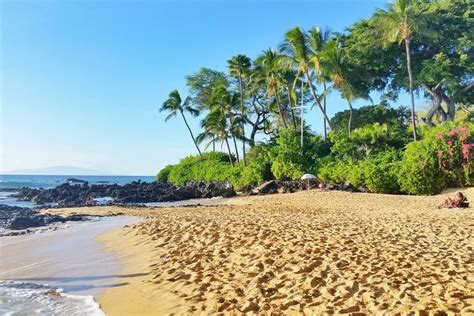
{"points": [[274, 186], [14, 217], [67, 195]]}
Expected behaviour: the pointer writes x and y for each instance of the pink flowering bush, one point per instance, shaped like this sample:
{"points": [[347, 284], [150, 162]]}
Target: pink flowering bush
{"points": [[455, 154], [444, 157]]}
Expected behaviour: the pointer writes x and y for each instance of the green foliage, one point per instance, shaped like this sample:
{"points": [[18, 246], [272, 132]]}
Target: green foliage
{"points": [[419, 169], [379, 173], [257, 170], [380, 113], [212, 166], [367, 140], [289, 160], [163, 174]]}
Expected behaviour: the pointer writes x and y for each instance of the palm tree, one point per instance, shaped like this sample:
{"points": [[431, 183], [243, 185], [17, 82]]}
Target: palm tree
{"points": [[332, 58], [268, 69], [174, 105], [239, 66], [298, 52], [397, 24], [215, 127], [317, 39], [225, 101]]}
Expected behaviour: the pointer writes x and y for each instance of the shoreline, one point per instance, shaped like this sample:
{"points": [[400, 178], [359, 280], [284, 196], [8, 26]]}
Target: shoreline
{"points": [[304, 252], [70, 258]]}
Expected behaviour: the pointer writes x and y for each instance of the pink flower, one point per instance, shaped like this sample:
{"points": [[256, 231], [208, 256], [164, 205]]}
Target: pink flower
{"points": [[450, 143], [453, 133]]}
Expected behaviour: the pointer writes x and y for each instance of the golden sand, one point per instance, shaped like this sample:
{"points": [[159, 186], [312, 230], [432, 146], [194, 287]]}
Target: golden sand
{"points": [[308, 252]]}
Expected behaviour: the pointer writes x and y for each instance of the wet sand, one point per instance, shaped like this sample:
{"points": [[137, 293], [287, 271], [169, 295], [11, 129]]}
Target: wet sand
{"points": [[308, 252], [69, 258]]}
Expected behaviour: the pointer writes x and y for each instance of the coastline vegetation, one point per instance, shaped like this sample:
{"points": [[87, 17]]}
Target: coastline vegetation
{"points": [[256, 112]]}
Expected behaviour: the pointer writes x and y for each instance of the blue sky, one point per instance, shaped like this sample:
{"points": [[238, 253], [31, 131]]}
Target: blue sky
{"points": [[81, 81]]}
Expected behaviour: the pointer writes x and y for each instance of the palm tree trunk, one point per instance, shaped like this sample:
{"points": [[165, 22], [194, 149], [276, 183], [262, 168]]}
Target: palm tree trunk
{"points": [[242, 113], [315, 97], [228, 150], [236, 149], [277, 98], [350, 119], [302, 114], [190, 132], [293, 117], [410, 83], [324, 108]]}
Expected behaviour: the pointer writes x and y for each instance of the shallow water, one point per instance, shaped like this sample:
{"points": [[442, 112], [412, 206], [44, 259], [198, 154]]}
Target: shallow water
{"points": [[70, 259]]}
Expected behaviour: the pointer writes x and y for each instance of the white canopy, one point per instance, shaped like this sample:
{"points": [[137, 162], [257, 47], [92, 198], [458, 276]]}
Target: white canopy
{"points": [[308, 176]]}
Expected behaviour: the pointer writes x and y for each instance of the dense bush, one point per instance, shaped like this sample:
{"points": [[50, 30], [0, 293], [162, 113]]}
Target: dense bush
{"points": [[442, 158], [419, 170], [162, 175], [213, 166], [368, 140], [377, 173], [289, 160]]}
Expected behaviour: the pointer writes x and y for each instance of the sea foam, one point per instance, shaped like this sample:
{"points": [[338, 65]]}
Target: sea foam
{"points": [[18, 298]]}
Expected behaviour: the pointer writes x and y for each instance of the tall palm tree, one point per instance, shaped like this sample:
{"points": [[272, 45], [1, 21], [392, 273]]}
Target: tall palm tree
{"points": [[239, 67], [332, 58], [215, 128], [398, 23], [174, 105], [298, 52], [317, 39], [268, 68], [224, 101]]}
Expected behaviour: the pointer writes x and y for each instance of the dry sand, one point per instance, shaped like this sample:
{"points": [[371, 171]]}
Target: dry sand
{"points": [[308, 252]]}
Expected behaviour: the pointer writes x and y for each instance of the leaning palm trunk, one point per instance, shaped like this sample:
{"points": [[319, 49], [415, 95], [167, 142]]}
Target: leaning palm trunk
{"points": [[292, 107], [243, 123], [324, 108], [236, 149], [190, 132], [350, 119], [230, 153], [410, 83], [277, 98], [315, 97]]}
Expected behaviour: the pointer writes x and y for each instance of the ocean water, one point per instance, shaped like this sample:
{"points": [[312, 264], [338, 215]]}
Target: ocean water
{"points": [[21, 298], [36, 181], [46, 182]]}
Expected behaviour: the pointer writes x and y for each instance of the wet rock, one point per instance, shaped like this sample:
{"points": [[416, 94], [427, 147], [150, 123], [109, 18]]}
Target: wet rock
{"points": [[14, 217], [268, 187]]}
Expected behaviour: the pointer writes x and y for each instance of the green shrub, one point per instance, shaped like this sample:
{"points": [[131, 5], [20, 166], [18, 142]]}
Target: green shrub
{"points": [[419, 169], [289, 160], [379, 173], [213, 166], [162, 176], [368, 140]]}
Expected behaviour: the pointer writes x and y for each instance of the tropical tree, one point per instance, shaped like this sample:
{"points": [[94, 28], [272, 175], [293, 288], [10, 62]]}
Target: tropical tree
{"points": [[239, 67], [297, 52], [225, 101], [317, 39], [333, 59], [175, 105], [215, 127], [268, 68], [398, 23]]}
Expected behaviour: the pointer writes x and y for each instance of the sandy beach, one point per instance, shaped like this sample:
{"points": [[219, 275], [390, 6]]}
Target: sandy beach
{"points": [[308, 252]]}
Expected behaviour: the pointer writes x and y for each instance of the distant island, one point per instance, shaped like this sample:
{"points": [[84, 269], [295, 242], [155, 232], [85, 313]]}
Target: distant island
{"points": [[60, 170]]}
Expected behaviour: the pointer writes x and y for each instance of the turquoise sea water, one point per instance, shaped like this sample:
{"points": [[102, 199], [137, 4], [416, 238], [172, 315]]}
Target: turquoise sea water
{"points": [[46, 182], [50, 181]]}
